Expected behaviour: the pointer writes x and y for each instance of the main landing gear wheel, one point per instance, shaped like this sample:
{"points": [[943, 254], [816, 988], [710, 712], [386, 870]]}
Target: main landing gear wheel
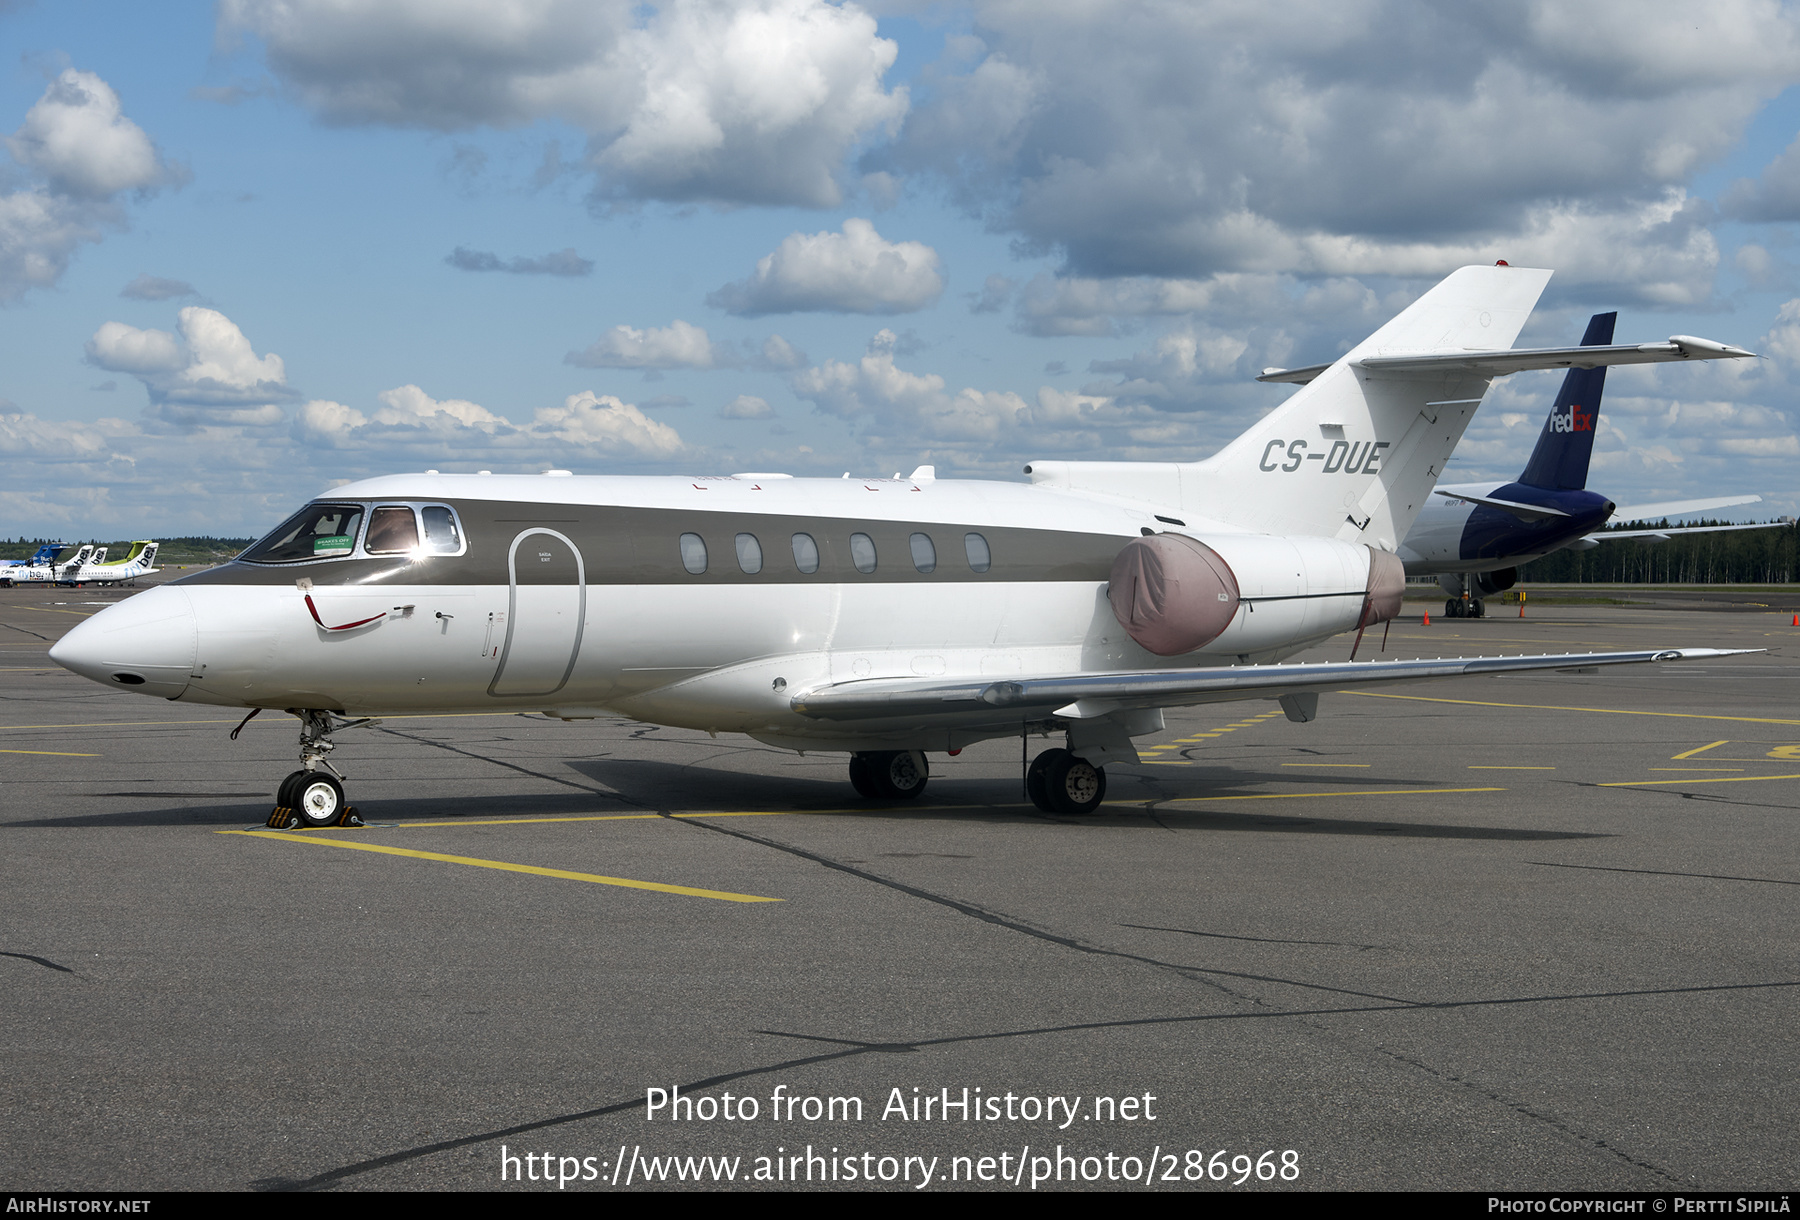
{"points": [[1059, 782], [862, 776], [1477, 608], [890, 775]]}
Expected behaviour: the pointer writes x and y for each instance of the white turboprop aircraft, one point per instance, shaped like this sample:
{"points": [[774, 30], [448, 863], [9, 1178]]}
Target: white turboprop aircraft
{"points": [[883, 617], [84, 565]]}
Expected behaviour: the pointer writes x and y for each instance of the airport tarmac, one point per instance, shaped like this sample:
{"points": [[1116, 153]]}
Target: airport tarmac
{"points": [[1528, 932]]}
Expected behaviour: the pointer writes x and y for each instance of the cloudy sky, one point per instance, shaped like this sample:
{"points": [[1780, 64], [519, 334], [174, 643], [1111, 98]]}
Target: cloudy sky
{"points": [[252, 249]]}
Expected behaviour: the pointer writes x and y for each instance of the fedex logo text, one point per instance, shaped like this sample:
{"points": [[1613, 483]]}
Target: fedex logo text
{"points": [[1576, 420]]}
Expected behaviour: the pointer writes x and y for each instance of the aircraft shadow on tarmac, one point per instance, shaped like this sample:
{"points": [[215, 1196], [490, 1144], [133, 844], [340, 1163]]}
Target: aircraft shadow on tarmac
{"points": [[641, 786]]}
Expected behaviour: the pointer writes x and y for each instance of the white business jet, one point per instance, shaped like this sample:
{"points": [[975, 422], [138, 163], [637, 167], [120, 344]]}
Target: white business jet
{"points": [[882, 617]]}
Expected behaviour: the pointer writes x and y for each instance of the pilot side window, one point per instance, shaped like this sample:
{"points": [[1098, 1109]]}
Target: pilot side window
{"points": [[806, 553], [693, 553], [391, 529], [980, 560], [923, 553], [862, 552], [441, 535], [318, 531], [749, 553]]}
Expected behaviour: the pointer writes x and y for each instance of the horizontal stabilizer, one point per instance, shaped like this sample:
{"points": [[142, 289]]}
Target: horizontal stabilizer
{"points": [[1046, 696], [1530, 512], [1518, 360]]}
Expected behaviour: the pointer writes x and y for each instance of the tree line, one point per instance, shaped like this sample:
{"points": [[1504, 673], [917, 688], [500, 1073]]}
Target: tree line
{"points": [[1735, 557]]}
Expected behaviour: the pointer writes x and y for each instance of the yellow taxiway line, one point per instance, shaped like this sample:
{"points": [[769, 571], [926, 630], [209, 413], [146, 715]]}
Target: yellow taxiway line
{"points": [[504, 866], [57, 753], [1732, 779], [1550, 707], [1294, 796]]}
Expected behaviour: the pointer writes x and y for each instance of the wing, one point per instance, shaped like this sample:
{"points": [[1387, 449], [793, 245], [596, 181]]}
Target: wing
{"points": [[1082, 696], [1664, 535], [1518, 360]]}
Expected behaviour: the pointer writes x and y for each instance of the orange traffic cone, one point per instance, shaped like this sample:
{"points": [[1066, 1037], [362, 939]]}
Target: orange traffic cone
{"points": [[1428, 618], [1797, 620]]}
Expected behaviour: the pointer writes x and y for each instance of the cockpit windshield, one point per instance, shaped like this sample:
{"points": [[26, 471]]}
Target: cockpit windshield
{"points": [[318, 531]]}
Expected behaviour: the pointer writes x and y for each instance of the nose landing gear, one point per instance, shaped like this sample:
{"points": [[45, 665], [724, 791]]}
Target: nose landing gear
{"points": [[311, 797]]}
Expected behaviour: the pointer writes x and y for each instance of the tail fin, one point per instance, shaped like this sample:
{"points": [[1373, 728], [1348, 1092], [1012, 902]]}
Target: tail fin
{"points": [[149, 556], [1356, 451], [1560, 461]]}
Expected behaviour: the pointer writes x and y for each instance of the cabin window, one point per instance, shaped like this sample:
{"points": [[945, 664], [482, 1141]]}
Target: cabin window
{"points": [[923, 553], [318, 531], [693, 553], [749, 552], [980, 560], [806, 553], [862, 552], [441, 535], [391, 529]]}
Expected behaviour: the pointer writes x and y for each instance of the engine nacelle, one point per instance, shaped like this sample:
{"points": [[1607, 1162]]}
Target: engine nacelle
{"points": [[1172, 593], [1249, 593]]}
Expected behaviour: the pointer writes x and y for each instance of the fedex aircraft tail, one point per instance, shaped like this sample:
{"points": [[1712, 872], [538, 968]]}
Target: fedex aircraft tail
{"points": [[1560, 461], [1355, 453]]}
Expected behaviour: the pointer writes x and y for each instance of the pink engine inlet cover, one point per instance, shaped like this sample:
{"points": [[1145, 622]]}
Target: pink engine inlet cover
{"points": [[1171, 593]]}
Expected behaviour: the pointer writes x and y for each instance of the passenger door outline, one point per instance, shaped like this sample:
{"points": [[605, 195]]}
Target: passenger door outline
{"points": [[512, 613]]}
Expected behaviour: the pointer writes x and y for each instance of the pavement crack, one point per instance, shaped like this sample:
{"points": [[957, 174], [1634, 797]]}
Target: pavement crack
{"points": [[33, 634], [1199, 974], [42, 961], [320, 1181], [1261, 940], [1657, 872]]}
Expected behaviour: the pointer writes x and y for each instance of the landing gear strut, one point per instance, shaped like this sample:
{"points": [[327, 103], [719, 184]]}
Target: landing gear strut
{"points": [[1061, 782], [889, 775], [311, 797]]}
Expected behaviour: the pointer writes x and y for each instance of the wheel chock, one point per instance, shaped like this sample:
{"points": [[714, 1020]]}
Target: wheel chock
{"points": [[283, 818], [349, 817]]}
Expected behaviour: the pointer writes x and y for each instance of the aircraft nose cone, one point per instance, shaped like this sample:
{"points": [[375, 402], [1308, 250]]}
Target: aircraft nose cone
{"points": [[145, 644]]}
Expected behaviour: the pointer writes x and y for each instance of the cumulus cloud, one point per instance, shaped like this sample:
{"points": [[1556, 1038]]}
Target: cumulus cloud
{"points": [[558, 262], [411, 422], [736, 101], [155, 288], [207, 372], [854, 271], [1379, 137], [747, 406], [907, 412], [679, 345], [80, 153], [682, 345], [78, 138]]}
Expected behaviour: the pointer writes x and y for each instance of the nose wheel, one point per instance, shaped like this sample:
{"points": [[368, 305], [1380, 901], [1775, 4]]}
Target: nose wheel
{"points": [[1060, 782], [313, 797]]}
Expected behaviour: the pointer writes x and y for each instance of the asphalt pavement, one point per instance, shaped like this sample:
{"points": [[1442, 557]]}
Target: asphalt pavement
{"points": [[1528, 932]]}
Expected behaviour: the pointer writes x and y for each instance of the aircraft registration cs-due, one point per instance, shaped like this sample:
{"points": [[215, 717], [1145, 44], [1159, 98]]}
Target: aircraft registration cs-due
{"points": [[888, 618]]}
